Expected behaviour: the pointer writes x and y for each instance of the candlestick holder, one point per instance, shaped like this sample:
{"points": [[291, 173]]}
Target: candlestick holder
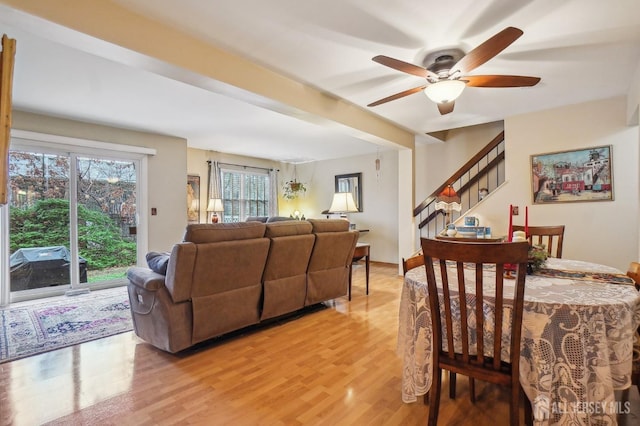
{"points": [[509, 271]]}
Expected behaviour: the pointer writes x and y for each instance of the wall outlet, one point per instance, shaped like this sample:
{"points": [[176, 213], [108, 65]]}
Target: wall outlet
{"points": [[515, 211]]}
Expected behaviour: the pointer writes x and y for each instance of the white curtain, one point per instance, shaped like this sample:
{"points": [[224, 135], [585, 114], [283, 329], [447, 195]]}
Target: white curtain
{"points": [[273, 196], [215, 188]]}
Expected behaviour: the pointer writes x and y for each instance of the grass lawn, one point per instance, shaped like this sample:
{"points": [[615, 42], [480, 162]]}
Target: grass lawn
{"points": [[107, 274]]}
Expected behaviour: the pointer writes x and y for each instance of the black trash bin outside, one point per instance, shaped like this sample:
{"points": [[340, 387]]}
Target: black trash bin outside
{"points": [[38, 267]]}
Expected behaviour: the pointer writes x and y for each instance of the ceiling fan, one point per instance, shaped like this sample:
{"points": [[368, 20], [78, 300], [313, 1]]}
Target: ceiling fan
{"points": [[446, 71]]}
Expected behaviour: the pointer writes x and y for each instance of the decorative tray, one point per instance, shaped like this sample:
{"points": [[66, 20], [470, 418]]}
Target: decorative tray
{"points": [[470, 231]]}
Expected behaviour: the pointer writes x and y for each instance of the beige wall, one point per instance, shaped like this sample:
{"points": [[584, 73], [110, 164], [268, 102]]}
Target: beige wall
{"points": [[603, 232], [540, 132], [167, 169], [633, 98], [380, 192], [380, 198], [590, 226], [578, 126]]}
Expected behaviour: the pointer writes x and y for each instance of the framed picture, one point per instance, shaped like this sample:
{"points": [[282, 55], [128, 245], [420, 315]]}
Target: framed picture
{"points": [[193, 199], [352, 183], [572, 176]]}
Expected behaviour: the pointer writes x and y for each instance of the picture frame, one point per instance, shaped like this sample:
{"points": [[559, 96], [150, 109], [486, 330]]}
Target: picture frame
{"points": [[193, 199], [350, 182], [572, 176]]}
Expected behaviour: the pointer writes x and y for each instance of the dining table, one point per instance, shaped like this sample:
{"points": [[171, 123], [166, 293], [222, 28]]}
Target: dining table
{"points": [[579, 323]]}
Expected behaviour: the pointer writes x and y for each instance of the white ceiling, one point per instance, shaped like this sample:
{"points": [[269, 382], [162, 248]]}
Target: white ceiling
{"points": [[582, 49]]}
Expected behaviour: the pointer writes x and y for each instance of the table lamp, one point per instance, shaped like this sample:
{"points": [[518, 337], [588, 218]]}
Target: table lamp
{"points": [[448, 200], [343, 203], [215, 206]]}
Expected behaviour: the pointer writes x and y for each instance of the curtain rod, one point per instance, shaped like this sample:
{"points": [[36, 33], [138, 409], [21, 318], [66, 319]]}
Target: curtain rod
{"points": [[244, 166]]}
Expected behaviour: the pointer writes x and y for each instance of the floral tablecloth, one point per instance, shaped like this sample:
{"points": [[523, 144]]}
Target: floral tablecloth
{"points": [[578, 327]]}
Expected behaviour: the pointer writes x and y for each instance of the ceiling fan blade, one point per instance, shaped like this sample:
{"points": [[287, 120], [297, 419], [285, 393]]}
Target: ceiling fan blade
{"points": [[399, 65], [500, 81], [397, 96], [446, 108], [486, 50]]}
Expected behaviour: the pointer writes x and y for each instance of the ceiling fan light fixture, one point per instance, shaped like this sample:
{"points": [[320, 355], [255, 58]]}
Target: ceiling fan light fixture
{"points": [[445, 91]]}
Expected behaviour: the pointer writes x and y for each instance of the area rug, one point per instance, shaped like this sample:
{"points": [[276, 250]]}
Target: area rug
{"points": [[30, 328]]}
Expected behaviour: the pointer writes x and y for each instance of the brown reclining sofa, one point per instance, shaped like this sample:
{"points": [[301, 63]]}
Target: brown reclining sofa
{"points": [[227, 276]]}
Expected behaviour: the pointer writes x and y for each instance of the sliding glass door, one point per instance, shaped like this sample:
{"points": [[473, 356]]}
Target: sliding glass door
{"points": [[72, 221], [106, 219], [39, 231]]}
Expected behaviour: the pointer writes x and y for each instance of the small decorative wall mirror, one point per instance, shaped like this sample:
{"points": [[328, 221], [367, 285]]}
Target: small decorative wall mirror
{"points": [[352, 183]]}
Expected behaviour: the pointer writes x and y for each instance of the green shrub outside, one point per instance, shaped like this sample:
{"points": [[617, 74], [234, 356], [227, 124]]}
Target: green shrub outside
{"points": [[47, 224]]}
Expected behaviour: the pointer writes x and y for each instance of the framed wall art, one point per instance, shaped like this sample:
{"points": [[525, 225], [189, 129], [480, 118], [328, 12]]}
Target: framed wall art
{"points": [[193, 199], [352, 183], [572, 176]]}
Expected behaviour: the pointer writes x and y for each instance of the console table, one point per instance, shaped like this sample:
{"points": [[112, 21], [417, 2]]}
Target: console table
{"points": [[361, 250]]}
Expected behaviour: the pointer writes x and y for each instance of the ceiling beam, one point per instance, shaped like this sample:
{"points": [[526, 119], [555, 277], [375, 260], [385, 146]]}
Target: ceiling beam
{"points": [[107, 29]]}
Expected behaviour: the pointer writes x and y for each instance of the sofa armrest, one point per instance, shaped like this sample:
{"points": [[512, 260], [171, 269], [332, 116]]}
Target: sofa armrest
{"points": [[145, 278]]}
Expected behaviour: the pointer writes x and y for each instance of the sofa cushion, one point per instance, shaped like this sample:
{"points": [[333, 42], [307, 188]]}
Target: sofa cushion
{"points": [[279, 219], [287, 228], [158, 262], [179, 278], [262, 219], [216, 232], [329, 225]]}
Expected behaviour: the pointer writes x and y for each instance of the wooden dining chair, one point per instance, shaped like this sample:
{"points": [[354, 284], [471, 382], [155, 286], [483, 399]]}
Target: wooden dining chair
{"points": [[412, 262], [407, 265], [475, 360], [551, 236], [634, 273]]}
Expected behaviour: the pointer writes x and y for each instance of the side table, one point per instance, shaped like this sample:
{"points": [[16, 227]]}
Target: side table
{"points": [[361, 250]]}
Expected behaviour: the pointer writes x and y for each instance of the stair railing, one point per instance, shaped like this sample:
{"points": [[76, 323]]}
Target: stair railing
{"points": [[483, 170]]}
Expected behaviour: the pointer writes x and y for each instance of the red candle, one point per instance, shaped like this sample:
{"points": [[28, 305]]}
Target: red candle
{"points": [[510, 235], [526, 221]]}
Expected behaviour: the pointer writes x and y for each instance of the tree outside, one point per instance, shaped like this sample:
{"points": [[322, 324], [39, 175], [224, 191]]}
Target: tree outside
{"points": [[106, 209], [47, 224]]}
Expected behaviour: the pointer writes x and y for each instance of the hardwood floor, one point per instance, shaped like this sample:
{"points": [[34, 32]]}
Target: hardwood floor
{"points": [[334, 366]]}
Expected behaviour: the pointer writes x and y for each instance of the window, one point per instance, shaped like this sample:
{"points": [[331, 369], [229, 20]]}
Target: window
{"points": [[73, 208], [245, 194]]}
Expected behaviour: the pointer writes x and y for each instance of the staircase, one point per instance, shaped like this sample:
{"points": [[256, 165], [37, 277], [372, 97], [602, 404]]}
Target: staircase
{"points": [[483, 170]]}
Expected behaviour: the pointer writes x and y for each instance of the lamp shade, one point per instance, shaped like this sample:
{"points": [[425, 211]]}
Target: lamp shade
{"points": [[445, 91], [449, 195], [215, 205], [448, 207], [343, 203]]}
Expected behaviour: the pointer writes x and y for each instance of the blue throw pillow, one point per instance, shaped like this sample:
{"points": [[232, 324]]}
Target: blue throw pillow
{"points": [[158, 262]]}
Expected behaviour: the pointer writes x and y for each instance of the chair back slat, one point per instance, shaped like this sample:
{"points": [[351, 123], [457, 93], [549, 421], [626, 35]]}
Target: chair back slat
{"points": [[498, 314], [447, 306], [464, 319], [479, 315], [551, 236]]}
